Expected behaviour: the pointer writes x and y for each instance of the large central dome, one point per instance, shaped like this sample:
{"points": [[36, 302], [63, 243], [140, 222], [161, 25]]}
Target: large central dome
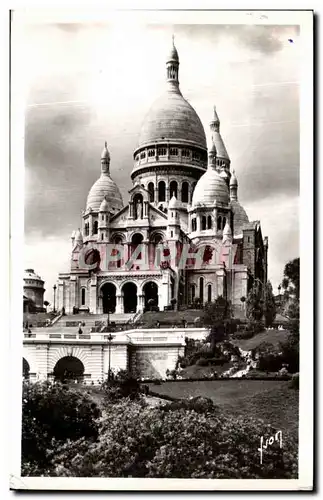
{"points": [[171, 117]]}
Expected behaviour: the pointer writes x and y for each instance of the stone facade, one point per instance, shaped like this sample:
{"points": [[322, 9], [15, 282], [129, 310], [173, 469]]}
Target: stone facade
{"points": [[183, 195]]}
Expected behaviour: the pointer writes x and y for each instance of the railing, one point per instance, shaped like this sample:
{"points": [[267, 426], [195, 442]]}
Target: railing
{"points": [[164, 336]]}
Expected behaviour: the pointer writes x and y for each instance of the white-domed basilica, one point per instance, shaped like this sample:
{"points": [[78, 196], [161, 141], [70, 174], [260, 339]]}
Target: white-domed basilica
{"points": [[182, 233]]}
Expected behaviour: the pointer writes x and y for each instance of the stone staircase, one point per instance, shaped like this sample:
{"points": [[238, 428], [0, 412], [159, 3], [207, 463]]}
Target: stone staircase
{"points": [[92, 320]]}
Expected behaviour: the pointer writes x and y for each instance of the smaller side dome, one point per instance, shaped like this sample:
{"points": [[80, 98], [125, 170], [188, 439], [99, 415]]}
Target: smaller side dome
{"points": [[104, 207], [173, 203], [227, 233], [233, 180], [78, 236]]}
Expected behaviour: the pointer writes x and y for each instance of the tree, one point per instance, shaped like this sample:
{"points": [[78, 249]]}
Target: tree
{"points": [[51, 415], [269, 304], [255, 303], [46, 304], [291, 280], [217, 315]]}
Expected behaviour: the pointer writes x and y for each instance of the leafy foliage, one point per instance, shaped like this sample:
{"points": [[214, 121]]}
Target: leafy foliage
{"points": [[291, 280], [218, 316], [123, 385], [51, 415], [269, 305], [255, 303], [177, 441]]}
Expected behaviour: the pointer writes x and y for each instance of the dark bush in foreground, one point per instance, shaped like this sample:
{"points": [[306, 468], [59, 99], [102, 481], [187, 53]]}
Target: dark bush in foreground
{"points": [[138, 441], [122, 386], [51, 415]]}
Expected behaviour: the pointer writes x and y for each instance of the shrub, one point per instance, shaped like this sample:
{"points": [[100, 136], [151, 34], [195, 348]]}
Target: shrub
{"points": [[269, 357], [51, 415], [199, 404], [202, 362], [122, 386], [178, 443]]}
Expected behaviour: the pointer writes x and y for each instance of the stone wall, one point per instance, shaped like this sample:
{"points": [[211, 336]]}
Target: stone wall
{"points": [[152, 361]]}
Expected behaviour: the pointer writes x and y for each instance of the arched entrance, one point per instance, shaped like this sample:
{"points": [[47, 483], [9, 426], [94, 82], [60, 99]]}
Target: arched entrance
{"points": [[129, 292], [69, 368], [25, 369], [108, 295], [150, 290]]}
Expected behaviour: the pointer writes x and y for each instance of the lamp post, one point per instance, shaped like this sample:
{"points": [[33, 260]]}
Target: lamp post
{"points": [[54, 288], [110, 338]]}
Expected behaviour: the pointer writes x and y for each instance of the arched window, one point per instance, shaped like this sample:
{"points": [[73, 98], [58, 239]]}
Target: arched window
{"points": [[185, 153], [193, 187], [219, 223], [83, 296], [203, 222], [209, 293], [86, 229], [224, 222], [209, 222], [201, 289], [173, 151], [117, 240], [173, 189], [192, 292], [185, 192], [193, 224], [161, 151], [143, 155], [95, 227], [151, 189], [102, 236], [151, 152], [161, 191]]}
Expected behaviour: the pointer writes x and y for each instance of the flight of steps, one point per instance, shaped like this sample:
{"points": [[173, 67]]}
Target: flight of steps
{"points": [[92, 320]]}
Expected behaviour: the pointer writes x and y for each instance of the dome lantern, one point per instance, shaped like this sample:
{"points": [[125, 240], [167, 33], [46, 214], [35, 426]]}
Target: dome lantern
{"points": [[172, 65], [105, 159], [233, 187]]}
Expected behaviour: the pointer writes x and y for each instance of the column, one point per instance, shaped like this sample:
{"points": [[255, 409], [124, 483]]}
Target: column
{"points": [[141, 302], [198, 221], [145, 210], [93, 295], [131, 212], [119, 304], [167, 193]]}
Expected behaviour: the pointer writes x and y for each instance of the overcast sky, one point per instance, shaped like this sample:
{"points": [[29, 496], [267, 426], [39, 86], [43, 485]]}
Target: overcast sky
{"points": [[87, 83]]}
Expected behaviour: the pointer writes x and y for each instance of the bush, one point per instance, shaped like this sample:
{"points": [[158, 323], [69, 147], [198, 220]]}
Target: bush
{"points": [[270, 359], [202, 362], [122, 386], [178, 443], [51, 415], [199, 404]]}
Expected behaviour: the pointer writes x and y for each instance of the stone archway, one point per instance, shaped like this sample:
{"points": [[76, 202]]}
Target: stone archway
{"points": [[129, 293], [150, 291], [69, 368], [108, 295], [25, 369]]}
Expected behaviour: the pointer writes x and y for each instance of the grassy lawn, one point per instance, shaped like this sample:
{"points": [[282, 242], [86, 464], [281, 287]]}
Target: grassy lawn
{"points": [[170, 317], [270, 400], [272, 336]]}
